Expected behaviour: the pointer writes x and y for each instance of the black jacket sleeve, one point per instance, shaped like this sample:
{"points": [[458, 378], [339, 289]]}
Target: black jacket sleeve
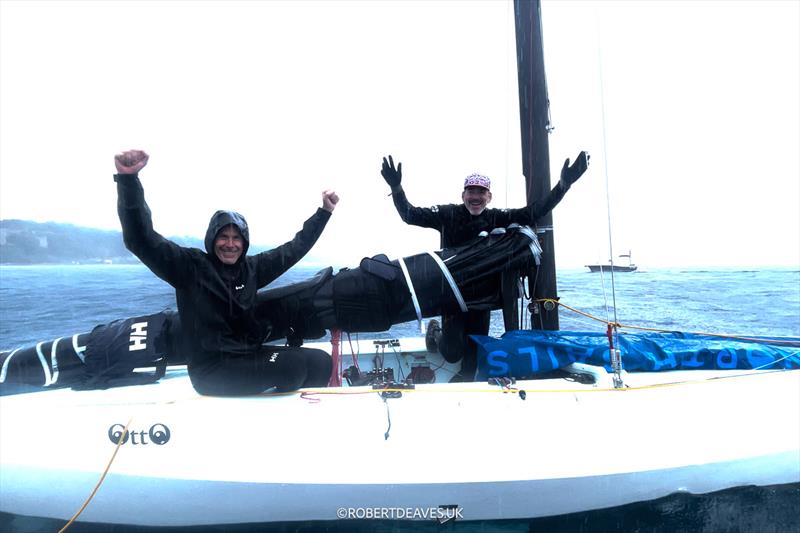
{"points": [[530, 214], [416, 216], [273, 263], [166, 259]]}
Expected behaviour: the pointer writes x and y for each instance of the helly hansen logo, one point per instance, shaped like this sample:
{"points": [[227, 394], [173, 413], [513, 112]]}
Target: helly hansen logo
{"points": [[138, 337], [273, 357]]}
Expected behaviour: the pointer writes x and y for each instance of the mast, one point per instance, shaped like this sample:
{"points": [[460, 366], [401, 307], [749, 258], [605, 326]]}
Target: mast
{"points": [[534, 111]]}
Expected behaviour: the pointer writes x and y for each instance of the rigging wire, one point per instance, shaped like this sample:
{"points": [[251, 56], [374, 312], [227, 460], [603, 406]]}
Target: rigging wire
{"points": [[613, 337], [605, 170], [508, 88]]}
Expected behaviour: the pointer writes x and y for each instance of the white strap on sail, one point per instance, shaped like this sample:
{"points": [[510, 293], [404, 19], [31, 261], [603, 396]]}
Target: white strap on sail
{"points": [[48, 378], [53, 360], [450, 280], [414, 299], [536, 248], [4, 370], [78, 349]]}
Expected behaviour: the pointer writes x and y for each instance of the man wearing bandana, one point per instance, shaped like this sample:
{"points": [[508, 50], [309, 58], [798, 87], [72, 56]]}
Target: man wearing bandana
{"points": [[457, 224]]}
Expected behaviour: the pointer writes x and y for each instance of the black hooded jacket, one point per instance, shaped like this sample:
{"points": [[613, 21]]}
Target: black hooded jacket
{"points": [[458, 226], [216, 302]]}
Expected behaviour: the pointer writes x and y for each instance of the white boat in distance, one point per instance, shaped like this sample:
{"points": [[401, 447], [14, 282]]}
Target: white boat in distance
{"points": [[612, 267]]}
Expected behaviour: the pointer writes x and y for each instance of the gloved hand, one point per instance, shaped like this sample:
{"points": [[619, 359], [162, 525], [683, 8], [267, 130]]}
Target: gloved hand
{"points": [[390, 174], [570, 174]]}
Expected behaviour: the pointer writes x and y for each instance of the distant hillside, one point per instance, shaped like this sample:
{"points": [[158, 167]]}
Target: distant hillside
{"points": [[23, 242]]}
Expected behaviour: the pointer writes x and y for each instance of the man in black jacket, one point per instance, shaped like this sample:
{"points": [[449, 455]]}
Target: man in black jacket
{"points": [[460, 223], [216, 292]]}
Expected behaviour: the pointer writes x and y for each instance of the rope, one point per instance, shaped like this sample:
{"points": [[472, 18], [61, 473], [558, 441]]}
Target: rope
{"points": [[122, 438], [335, 379], [353, 353], [310, 393], [388, 419], [617, 325]]}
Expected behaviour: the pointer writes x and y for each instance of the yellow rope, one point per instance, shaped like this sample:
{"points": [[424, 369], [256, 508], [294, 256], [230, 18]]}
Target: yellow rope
{"points": [[341, 392], [617, 325], [121, 439]]}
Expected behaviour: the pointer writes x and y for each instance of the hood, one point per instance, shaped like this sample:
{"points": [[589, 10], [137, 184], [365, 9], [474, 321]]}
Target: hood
{"points": [[219, 220]]}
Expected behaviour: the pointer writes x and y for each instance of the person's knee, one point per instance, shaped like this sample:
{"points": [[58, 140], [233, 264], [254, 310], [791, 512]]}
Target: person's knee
{"points": [[215, 386], [309, 368], [452, 346], [318, 368], [285, 369], [291, 377], [451, 354]]}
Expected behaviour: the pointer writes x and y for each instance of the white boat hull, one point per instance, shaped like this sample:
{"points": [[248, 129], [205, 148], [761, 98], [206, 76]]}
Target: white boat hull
{"points": [[566, 448]]}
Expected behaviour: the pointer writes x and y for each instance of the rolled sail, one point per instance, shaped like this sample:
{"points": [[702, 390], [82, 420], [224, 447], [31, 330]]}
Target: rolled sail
{"points": [[380, 292], [46, 363]]}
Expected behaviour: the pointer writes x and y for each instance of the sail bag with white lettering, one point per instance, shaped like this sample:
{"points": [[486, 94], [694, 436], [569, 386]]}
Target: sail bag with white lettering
{"points": [[116, 349]]}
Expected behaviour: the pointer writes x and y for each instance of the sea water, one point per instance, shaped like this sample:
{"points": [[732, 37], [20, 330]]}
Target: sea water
{"points": [[44, 302]]}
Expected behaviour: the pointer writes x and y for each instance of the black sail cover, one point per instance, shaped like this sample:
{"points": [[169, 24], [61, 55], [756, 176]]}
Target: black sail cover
{"points": [[376, 295], [367, 299]]}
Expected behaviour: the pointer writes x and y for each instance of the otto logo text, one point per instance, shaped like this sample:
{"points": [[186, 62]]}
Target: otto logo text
{"points": [[158, 434]]}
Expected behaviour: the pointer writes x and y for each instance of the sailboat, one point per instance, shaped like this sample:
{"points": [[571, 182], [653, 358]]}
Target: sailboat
{"points": [[594, 436], [613, 267]]}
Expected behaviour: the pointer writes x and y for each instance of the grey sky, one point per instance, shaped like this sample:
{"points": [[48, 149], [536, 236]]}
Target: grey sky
{"points": [[258, 106]]}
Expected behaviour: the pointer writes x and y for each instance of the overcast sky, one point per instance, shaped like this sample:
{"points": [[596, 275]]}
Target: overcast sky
{"points": [[690, 111]]}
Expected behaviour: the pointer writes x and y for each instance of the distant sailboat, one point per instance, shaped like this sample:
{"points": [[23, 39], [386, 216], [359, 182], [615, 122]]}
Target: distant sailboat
{"points": [[630, 267]]}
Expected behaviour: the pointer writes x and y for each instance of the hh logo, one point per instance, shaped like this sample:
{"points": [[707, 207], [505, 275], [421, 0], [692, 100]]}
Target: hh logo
{"points": [[273, 357], [138, 337]]}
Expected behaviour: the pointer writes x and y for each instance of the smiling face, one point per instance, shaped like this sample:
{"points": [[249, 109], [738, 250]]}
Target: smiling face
{"points": [[476, 199], [228, 244]]}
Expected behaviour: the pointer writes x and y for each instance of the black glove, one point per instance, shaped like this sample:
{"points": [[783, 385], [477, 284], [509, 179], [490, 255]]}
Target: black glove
{"points": [[570, 174], [390, 174]]}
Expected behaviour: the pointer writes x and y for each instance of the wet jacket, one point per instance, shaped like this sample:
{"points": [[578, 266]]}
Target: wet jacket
{"points": [[216, 302], [457, 225]]}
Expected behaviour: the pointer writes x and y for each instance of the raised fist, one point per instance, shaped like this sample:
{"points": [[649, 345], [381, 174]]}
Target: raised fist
{"points": [[131, 161], [329, 200]]}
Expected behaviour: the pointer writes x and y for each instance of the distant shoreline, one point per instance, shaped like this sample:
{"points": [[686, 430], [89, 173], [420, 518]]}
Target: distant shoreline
{"points": [[572, 270], [24, 242]]}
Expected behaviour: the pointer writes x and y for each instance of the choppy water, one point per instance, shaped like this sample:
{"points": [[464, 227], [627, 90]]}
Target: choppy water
{"points": [[44, 302]]}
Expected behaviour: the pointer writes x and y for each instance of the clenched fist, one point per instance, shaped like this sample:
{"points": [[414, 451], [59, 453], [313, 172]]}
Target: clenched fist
{"points": [[131, 161], [329, 200]]}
